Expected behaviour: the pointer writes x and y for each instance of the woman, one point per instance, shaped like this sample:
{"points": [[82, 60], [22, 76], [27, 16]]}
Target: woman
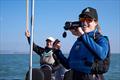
{"points": [[81, 56]]}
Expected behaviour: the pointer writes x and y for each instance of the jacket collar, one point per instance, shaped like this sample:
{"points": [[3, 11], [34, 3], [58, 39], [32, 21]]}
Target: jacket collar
{"points": [[92, 33]]}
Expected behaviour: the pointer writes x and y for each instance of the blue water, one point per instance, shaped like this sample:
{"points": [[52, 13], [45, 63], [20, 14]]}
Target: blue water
{"points": [[15, 66]]}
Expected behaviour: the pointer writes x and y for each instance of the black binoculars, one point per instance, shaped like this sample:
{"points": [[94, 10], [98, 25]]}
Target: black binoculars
{"points": [[71, 25]]}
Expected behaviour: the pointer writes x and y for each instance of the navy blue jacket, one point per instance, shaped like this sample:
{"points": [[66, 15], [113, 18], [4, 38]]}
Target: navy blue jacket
{"points": [[81, 55]]}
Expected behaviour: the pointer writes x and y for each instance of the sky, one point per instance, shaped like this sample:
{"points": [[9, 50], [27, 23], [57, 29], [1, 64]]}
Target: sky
{"points": [[50, 17]]}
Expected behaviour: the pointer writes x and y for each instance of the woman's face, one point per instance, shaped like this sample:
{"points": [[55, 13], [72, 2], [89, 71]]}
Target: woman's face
{"points": [[89, 24]]}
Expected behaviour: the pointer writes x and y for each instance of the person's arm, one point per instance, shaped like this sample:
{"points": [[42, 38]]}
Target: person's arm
{"points": [[36, 48], [56, 64], [63, 60], [99, 47], [58, 53]]}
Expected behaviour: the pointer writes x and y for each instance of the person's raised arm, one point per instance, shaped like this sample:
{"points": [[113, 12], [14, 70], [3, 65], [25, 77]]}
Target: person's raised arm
{"points": [[36, 48]]}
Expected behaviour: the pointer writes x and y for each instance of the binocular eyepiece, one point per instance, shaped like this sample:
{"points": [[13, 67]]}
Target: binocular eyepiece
{"points": [[71, 25]]}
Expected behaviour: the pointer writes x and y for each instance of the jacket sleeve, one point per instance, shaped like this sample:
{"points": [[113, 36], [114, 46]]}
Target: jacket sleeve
{"points": [[36, 48], [57, 64], [63, 60], [99, 47]]}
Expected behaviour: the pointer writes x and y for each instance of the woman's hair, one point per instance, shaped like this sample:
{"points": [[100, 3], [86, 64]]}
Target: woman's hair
{"points": [[99, 29]]}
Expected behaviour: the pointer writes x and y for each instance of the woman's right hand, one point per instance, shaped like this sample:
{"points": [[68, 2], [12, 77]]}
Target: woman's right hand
{"points": [[27, 33]]}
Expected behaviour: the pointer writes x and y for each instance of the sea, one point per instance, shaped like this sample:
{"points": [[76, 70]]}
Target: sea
{"points": [[14, 66]]}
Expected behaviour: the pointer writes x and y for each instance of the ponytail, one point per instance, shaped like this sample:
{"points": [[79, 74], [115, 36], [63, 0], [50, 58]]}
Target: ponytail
{"points": [[99, 29]]}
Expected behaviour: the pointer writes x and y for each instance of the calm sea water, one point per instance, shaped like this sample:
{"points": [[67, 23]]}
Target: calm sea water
{"points": [[15, 66]]}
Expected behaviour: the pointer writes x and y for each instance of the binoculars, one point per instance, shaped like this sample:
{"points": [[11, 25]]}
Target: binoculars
{"points": [[71, 25]]}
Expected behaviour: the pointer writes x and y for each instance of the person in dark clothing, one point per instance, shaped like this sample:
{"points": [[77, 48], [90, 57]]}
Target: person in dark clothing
{"points": [[43, 52], [81, 57], [47, 57]]}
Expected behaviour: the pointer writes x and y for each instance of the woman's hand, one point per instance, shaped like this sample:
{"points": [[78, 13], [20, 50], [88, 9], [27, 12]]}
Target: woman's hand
{"points": [[80, 31], [77, 31]]}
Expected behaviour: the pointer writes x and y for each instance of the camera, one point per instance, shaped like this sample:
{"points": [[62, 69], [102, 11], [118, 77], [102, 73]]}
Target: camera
{"points": [[72, 25]]}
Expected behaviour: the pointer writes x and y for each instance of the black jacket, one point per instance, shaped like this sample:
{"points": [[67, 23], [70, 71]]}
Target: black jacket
{"points": [[39, 50]]}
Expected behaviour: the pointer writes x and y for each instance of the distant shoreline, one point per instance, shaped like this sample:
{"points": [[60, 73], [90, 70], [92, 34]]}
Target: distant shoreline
{"points": [[24, 52]]}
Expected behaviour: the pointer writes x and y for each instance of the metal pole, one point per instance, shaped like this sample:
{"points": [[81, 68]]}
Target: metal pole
{"points": [[27, 14], [31, 43]]}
